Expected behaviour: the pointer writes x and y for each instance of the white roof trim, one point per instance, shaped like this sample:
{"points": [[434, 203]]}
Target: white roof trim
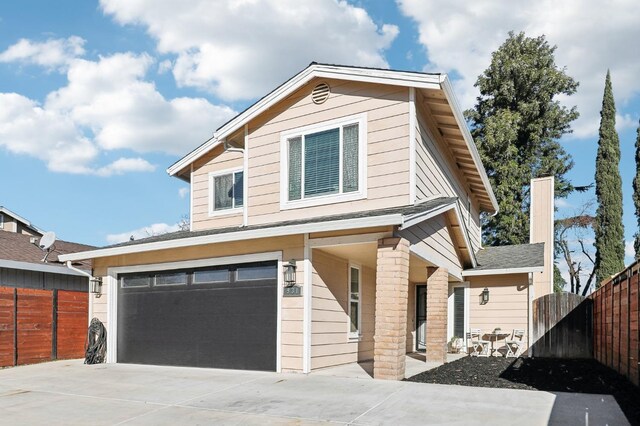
{"points": [[421, 217], [276, 231], [20, 219], [38, 267], [193, 156], [525, 270], [447, 88], [396, 78]]}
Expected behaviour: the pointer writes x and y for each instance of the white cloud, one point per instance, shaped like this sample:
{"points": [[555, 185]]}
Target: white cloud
{"points": [[106, 105], [242, 49], [563, 203], [183, 192], [51, 54], [144, 232], [125, 165], [165, 66], [629, 251], [591, 36]]}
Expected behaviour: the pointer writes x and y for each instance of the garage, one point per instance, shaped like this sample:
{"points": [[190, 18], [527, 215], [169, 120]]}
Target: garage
{"points": [[218, 317]]}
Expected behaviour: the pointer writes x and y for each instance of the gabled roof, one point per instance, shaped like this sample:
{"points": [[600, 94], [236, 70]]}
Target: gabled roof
{"points": [[517, 258], [17, 252], [21, 219], [364, 219], [457, 134]]}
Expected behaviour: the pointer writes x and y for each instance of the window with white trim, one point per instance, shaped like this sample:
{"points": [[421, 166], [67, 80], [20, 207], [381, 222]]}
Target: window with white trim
{"points": [[1, 221], [324, 160], [226, 191], [355, 300]]}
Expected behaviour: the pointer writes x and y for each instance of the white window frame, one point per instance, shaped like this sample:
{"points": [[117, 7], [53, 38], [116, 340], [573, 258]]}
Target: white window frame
{"points": [[233, 210], [450, 313], [361, 193], [358, 334], [1, 220]]}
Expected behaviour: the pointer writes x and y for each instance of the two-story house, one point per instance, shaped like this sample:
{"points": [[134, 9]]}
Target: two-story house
{"points": [[335, 220]]}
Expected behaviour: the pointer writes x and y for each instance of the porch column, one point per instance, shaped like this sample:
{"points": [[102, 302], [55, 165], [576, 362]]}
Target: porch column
{"points": [[392, 290], [437, 292]]}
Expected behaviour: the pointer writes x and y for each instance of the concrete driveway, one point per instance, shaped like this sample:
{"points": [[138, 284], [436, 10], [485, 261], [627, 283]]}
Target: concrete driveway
{"points": [[68, 393]]}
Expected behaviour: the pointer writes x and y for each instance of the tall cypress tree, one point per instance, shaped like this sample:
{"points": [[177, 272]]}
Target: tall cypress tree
{"points": [[608, 228], [516, 124], [636, 196]]}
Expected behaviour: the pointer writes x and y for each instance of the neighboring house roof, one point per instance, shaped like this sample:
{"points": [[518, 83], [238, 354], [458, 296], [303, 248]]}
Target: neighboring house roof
{"points": [[518, 258], [6, 211], [381, 217], [454, 131], [17, 252]]}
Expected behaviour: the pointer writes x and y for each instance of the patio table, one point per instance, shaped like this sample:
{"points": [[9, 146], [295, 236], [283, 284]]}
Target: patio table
{"points": [[496, 335]]}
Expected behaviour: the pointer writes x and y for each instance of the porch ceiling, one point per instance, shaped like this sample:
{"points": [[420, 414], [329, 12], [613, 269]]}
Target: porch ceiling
{"points": [[364, 254]]}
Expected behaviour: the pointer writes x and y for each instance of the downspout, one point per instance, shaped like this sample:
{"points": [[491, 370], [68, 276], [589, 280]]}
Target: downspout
{"points": [[88, 275], [530, 314]]}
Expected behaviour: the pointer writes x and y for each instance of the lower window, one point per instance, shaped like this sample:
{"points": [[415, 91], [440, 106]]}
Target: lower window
{"points": [[354, 301]]}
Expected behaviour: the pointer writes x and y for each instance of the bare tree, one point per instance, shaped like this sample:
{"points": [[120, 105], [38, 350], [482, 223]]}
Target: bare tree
{"points": [[185, 223], [571, 233]]}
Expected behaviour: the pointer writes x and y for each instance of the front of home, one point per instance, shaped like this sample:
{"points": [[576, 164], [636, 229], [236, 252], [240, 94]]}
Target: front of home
{"points": [[336, 220]]}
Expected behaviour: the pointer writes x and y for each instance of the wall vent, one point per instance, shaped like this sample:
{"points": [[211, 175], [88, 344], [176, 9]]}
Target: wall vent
{"points": [[320, 93]]}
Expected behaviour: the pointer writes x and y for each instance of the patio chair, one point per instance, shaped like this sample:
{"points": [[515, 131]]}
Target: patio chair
{"points": [[515, 344], [477, 346]]}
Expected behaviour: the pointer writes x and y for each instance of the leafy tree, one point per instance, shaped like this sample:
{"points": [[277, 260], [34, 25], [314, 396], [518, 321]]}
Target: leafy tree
{"points": [[516, 124], [558, 281], [609, 231], [636, 196]]}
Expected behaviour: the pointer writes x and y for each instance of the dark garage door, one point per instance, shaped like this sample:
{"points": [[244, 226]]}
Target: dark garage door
{"points": [[222, 317]]}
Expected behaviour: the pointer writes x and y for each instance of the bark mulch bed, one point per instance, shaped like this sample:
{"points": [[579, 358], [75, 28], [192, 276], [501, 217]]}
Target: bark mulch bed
{"points": [[545, 374]]}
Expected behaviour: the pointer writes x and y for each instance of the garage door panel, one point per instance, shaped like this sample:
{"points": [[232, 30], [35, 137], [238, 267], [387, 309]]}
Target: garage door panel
{"points": [[224, 325]]}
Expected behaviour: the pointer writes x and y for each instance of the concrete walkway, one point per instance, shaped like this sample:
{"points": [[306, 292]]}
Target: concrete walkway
{"points": [[69, 393]]}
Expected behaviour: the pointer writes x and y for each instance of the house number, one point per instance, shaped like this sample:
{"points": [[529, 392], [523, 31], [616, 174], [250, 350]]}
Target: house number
{"points": [[293, 291]]}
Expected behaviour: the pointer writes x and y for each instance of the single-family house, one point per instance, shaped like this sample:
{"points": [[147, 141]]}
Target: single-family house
{"points": [[335, 220]]}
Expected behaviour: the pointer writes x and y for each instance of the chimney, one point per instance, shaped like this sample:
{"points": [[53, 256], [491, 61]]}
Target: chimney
{"points": [[541, 231]]}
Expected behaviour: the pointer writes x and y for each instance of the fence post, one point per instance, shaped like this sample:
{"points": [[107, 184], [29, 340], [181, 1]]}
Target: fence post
{"points": [[54, 325], [15, 327]]}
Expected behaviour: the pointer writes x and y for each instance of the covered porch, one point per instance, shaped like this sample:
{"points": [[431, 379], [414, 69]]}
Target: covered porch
{"points": [[378, 308]]}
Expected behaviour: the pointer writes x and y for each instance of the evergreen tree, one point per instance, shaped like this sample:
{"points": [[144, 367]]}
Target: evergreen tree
{"points": [[636, 196], [609, 231], [516, 124]]}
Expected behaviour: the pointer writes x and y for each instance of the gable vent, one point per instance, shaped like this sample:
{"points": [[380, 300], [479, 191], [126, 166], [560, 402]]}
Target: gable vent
{"points": [[320, 93]]}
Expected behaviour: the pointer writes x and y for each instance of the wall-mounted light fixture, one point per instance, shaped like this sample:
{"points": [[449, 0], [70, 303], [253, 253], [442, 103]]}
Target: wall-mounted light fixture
{"points": [[484, 296], [289, 273], [95, 286]]}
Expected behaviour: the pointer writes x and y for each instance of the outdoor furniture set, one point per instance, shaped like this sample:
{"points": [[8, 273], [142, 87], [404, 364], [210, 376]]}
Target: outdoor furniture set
{"points": [[482, 344]]}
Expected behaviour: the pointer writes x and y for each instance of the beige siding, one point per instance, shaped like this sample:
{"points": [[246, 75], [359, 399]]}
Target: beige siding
{"points": [[330, 343], [291, 248], [213, 163], [508, 306], [542, 211], [387, 149], [437, 175], [433, 238]]}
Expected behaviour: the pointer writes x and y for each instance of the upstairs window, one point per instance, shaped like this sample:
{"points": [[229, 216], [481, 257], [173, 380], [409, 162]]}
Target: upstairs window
{"points": [[324, 162], [226, 192]]}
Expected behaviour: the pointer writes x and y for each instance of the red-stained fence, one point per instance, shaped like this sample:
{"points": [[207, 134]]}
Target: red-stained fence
{"points": [[615, 320], [41, 325]]}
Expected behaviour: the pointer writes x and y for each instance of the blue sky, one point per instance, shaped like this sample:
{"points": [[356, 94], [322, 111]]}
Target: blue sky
{"points": [[99, 97]]}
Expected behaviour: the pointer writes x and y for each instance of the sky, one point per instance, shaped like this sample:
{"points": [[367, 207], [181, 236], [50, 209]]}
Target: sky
{"points": [[98, 98]]}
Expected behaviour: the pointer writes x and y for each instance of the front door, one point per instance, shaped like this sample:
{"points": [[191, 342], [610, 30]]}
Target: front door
{"points": [[421, 317]]}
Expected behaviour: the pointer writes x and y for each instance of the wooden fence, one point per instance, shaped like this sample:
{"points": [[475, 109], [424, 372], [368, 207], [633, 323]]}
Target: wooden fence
{"points": [[41, 325], [562, 326], [616, 318]]}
